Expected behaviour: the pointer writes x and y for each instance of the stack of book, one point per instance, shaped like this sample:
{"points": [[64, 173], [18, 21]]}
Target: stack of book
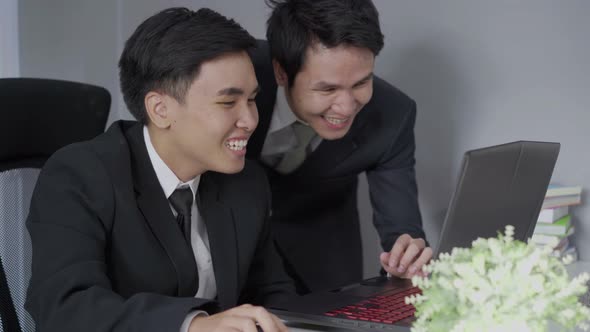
{"points": [[554, 225]]}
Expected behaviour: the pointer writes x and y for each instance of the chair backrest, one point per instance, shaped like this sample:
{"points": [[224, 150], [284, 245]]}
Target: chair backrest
{"points": [[39, 116]]}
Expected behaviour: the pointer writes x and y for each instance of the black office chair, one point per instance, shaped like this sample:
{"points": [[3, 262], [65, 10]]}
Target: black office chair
{"points": [[37, 117]]}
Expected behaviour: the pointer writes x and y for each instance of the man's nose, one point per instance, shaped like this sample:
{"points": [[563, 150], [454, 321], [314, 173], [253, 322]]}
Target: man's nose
{"points": [[345, 103], [248, 119]]}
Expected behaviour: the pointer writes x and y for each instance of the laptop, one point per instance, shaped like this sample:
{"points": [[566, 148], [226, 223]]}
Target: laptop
{"points": [[498, 186]]}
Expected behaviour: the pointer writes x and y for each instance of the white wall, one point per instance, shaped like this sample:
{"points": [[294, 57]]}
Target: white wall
{"points": [[72, 40], [488, 72], [482, 72], [9, 57]]}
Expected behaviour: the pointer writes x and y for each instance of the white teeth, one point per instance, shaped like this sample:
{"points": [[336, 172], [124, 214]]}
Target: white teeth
{"points": [[335, 121], [237, 145]]}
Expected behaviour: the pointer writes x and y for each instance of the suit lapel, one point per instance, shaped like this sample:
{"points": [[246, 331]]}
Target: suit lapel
{"points": [[155, 208], [218, 218], [329, 154]]}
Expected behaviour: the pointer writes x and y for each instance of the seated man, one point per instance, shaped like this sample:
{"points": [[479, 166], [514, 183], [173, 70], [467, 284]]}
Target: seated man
{"points": [[142, 228]]}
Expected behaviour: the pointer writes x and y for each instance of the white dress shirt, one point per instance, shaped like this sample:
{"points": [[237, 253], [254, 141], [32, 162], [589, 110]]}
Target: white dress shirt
{"points": [[199, 237], [280, 137]]}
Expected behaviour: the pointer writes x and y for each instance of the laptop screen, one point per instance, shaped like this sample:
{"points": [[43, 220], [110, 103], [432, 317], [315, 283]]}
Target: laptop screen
{"points": [[498, 186]]}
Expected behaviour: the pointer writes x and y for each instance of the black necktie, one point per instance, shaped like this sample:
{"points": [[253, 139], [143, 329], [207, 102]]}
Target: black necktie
{"points": [[182, 201]]}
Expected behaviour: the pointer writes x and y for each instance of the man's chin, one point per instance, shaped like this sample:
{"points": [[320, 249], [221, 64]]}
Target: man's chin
{"points": [[230, 167], [331, 135]]}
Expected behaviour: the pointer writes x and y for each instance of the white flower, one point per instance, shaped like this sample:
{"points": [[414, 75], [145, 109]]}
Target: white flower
{"points": [[499, 284]]}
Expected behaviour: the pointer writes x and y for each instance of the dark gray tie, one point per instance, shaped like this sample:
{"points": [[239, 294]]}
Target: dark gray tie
{"points": [[182, 201], [294, 158]]}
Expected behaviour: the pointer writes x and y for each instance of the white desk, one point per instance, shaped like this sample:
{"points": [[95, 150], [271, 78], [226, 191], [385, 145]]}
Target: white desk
{"points": [[573, 269]]}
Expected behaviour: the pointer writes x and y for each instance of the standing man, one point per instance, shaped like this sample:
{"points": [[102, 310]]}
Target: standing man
{"points": [[324, 119], [160, 224]]}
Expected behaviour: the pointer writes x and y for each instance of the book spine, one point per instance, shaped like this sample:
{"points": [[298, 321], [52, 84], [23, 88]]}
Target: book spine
{"points": [[551, 215]]}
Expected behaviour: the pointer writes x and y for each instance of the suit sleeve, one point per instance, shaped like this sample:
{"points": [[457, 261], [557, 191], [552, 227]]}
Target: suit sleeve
{"points": [[268, 284], [392, 187], [70, 290]]}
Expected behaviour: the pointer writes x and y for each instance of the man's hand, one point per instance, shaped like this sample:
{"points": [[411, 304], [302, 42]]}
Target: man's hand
{"points": [[243, 319], [407, 257]]}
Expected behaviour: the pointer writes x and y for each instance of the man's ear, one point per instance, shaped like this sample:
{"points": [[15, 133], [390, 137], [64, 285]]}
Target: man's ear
{"points": [[280, 74], [157, 109]]}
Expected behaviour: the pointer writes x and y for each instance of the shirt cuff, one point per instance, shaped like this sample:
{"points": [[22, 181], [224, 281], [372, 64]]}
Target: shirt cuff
{"points": [[189, 318]]}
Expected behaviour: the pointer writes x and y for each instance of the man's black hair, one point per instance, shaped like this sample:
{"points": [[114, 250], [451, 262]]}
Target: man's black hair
{"points": [[295, 25], [166, 51]]}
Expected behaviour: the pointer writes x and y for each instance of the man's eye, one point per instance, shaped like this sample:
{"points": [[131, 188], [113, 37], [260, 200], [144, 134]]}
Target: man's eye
{"points": [[252, 100], [227, 103], [359, 84]]}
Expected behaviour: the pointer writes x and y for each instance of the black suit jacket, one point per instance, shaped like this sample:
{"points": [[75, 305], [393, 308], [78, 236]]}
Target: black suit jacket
{"points": [[314, 209], [108, 254]]}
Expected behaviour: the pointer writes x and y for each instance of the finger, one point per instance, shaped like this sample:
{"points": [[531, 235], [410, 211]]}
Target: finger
{"points": [[391, 270], [265, 320], [256, 314], [384, 259], [279, 323], [239, 323], [245, 310], [410, 255], [246, 316], [244, 306], [229, 329], [399, 247], [248, 325], [424, 258]]}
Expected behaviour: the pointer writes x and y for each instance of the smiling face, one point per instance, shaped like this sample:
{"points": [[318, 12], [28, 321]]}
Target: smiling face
{"points": [[210, 129], [332, 87]]}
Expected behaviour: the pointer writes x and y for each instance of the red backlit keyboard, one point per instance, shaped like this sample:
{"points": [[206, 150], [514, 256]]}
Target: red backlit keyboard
{"points": [[384, 308]]}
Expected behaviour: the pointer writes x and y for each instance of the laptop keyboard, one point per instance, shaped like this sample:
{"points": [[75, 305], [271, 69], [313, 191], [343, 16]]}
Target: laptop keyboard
{"points": [[391, 307], [383, 308]]}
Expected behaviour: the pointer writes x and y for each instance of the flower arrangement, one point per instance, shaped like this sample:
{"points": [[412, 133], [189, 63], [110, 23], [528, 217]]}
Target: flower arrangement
{"points": [[500, 284]]}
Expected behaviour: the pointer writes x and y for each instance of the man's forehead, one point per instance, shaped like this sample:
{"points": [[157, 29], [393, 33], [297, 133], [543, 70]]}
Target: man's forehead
{"points": [[333, 65], [319, 48], [229, 74], [322, 57]]}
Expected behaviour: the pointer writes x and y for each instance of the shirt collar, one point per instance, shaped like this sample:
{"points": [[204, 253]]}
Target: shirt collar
{"points": [[168, 180], [282, 115]]}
